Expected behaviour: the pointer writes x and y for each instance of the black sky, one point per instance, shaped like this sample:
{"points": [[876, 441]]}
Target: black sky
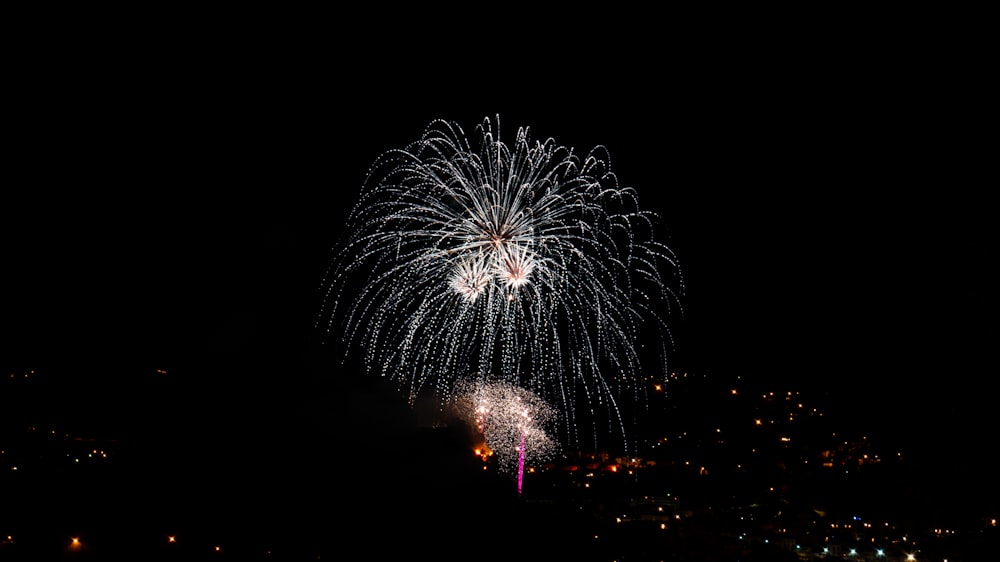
{"points": [[176, 208]]}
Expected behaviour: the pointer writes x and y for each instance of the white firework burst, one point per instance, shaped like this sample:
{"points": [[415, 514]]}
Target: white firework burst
{"points": [[470, 259], [471, 276]]}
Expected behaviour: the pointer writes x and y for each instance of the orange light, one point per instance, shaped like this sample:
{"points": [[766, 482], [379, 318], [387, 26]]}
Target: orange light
{"points": [[171, 538]]}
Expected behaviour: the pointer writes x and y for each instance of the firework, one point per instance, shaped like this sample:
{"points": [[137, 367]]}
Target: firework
{"points": [[468, 259], [512, 422]]}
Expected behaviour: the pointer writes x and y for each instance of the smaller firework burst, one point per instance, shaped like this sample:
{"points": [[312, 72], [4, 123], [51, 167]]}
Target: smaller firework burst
{"points": [[512, 422]]}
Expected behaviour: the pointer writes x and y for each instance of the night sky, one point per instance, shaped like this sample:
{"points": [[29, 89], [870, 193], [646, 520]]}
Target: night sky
{"points": [[176, 210]]}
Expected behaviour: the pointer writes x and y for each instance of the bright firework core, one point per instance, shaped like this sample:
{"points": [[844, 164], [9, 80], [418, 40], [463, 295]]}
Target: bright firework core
{"points": [[466, 259]]}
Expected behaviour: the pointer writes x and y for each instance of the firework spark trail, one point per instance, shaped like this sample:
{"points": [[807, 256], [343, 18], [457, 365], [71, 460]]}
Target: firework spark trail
{"points": [[468, 259], [520, 462]]}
